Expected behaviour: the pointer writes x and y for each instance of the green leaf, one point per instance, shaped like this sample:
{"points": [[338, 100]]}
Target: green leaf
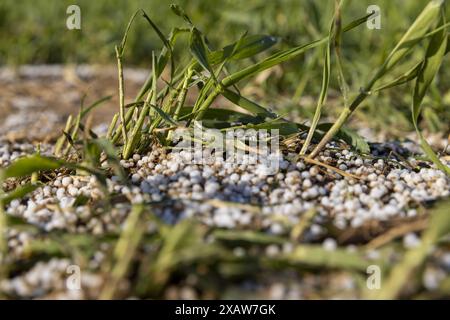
{"points": [[337, 34], [248, 47], [19, 192], [157, 30], [404, 78], [429, 68], [163, 58], [316, 256], [120, 49], [248, 104], [412, 36], [220, 114], [323, 92], [199, 50], [282, 56], [164, 115], [354, 140], [85, 111], [357, 22], [81, 200], [26, 166], [112, 157], [284, 127]]}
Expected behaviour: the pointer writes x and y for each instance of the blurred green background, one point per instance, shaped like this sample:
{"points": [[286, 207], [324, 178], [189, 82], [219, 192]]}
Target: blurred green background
{"points": [[34, 32]]}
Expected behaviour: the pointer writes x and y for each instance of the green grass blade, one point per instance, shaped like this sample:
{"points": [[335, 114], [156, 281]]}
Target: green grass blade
{"points": [[269, 62], [164, 115], [167, 45], [337, 52], [430, 66], [112, 156], [180, 12], [19, 192], [26, 166], [314, 255], [354, 140], [247, 104], [199, 50], [357, 22], [249, 46], [323, 93], [411, 74], [125, 36], [412, 36], [60, 142], [283, 56]]}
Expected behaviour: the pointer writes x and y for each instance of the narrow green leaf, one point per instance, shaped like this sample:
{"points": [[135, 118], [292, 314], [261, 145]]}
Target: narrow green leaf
{"points": [[283, 56], [248, 47], [317, 256], [354, 140], [411, 74], [323, 91], [430, 66], [337, 51], [125, 36], [357, 22], [112, 157], [199, 50], [412, 36], [247, 236], [248, 104], [269, 62], [164, 115], [19, 192], [26, 166], [157, 30], [180, 12]]}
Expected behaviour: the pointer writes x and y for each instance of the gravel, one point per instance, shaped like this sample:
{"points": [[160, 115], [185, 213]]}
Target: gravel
{"points": [[212, 194]]}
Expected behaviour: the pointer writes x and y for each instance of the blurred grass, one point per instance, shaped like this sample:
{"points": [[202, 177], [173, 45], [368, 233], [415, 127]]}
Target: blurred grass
{"points": [[35, 32]]}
